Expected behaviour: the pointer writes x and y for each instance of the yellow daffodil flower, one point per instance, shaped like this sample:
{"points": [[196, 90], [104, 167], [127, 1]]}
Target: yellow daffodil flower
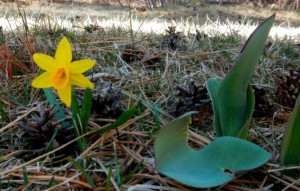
{"points": [[61, 73]]}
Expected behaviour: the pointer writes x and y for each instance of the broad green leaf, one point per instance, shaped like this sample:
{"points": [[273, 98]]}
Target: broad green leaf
{"points": [[233, 97], [216, 164], [251, 104], [290, 149], [212, 86]]}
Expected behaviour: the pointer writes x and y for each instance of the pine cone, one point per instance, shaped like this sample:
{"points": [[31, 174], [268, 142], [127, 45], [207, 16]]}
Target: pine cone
{"points": [[106, 100], [264, 107], [200, 35], [39, 128], [131, 54], [193, 97], [288, 88], [152, 56], [171, 30], [172, 39]]}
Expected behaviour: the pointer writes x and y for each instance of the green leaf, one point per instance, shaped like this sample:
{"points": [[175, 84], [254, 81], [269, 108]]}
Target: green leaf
{"points": [[83, 170], [251, 104], [75, 106], [233, 98], [52, 101], [85, 112], [125, 116], [118, 172], [212, 86], [147, 104], [52, 182], [290, 149], [25, 177], [216, 164], [3, 115], [108, 182], [81, 117], [77, 123], [50, 143]]}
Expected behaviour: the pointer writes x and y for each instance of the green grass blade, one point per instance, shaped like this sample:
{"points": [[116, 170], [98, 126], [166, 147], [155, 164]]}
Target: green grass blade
{"points": [[75, 108], [3, 115], [157, 116], [124, 116], [121, 120], [82, 169], [49, 145], [147, 104], [24, 20], [81, 116], [25, 177], [85, 112], [118, 172], [51, 183], [108, 182], [77, 121]]}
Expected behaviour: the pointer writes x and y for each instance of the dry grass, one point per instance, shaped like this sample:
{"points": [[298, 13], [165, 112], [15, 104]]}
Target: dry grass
{"points": [[123, 159]]}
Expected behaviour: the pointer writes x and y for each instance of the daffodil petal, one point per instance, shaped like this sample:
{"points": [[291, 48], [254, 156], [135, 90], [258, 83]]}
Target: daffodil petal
{"points": [[65, 94], [81, 66], [42, 81], [81, 81], [44, 61], [63, 54]]}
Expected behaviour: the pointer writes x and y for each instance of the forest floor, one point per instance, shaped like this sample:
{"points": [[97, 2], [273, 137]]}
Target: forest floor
{"points": [[160, 58]]}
